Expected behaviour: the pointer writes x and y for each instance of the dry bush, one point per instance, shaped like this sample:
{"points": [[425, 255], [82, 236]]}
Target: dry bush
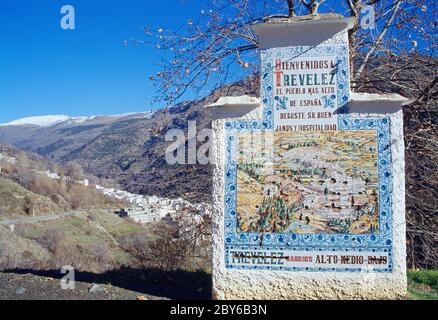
{"points": [[8, 259], [43, 185], [82, 197], [168, 251], [22, 176], [102, 256], [52, 239], [136, 244], [71, 254], [64, 251], [165, 251], [17, 252], [63, 192], [166, 248], [22, 159], [73, 170], [28, 205], [7, 169]]}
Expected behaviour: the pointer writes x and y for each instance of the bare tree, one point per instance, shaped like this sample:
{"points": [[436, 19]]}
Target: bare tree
{"points": [[74, 170], [397, 54], [221, 47]]}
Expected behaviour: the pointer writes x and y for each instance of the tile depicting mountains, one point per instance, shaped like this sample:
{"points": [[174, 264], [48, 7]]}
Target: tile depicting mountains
{"points": [[318, 182]]}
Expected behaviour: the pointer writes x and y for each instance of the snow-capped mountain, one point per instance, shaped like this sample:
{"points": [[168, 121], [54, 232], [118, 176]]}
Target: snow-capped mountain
{"points": [[52, 120], [44, 121]]}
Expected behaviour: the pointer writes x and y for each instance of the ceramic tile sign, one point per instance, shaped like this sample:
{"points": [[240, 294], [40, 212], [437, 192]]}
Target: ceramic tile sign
{"points": [[305, 88], [316, 194], [315, 201], [305, 94]]}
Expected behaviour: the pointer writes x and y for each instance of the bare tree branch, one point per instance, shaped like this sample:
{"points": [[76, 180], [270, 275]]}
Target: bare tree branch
{"points": [[378, 40]]}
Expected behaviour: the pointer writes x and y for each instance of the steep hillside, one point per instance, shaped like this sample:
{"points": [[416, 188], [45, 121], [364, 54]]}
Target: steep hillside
{"points": [[32, 185], [129, 149]]}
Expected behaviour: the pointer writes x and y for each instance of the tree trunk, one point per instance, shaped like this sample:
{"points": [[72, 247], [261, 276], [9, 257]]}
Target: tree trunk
{"points": [[291, 6]]}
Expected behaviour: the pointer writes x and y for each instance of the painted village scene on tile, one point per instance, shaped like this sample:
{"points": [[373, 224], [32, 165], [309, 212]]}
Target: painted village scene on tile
{"points": [[317, 182]]}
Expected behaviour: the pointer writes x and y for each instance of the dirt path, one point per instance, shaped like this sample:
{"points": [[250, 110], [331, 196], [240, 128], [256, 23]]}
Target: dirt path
{"points": [[104, 231]]}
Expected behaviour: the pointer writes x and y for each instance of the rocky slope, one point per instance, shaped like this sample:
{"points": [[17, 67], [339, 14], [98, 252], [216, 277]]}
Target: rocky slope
{"points": [[31, 287]]}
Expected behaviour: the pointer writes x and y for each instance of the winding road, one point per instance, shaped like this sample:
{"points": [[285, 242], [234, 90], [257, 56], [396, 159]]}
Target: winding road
{"points": [[40, 218]]}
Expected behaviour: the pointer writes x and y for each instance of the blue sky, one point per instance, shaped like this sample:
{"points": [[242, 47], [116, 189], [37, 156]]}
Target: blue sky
{"points": [[47, 70]]}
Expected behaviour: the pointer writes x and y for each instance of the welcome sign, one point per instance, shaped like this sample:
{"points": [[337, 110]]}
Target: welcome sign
{"points": [[305, 94], [308, 188]]}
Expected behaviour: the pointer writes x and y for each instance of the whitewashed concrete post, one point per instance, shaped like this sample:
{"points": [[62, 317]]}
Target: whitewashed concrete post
{"points": [[308, 185]]}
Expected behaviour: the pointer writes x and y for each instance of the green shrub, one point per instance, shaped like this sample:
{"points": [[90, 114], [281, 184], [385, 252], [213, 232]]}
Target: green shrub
{"points": [[425, 277]]}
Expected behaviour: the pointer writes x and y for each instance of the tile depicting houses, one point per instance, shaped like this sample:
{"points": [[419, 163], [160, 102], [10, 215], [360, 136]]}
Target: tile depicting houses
{"points": [[313, 183]]}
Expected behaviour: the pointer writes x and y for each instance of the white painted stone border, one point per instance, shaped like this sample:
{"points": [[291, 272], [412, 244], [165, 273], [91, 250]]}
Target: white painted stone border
{"points": [[252, 284]]}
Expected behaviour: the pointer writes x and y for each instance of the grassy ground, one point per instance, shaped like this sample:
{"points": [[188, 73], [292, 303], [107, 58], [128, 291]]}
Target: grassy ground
{"points": [[103, 228], [91, 235], [423, 284]]}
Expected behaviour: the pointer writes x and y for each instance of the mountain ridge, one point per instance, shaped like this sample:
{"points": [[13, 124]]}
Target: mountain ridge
{"points": [[130, 150], [52, 120]]}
